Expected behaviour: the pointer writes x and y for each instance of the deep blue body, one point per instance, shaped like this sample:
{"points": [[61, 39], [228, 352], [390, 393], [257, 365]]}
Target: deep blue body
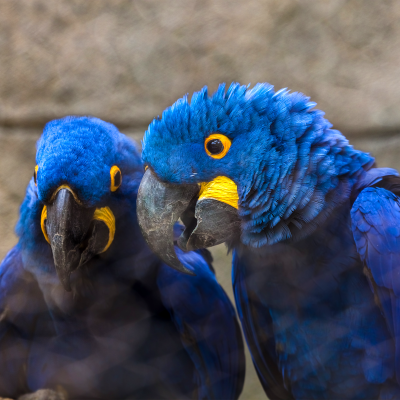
{"points": [[316, 272], [308, 310], [131, 327]]}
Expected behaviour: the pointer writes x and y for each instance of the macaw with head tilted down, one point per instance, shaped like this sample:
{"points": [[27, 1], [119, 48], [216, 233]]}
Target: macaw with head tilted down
{"points": [[86, 309], [314, 228]]}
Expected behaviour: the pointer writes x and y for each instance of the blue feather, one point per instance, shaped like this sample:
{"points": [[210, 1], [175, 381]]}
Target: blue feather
{"points": [[316, 271], [131, 327]]}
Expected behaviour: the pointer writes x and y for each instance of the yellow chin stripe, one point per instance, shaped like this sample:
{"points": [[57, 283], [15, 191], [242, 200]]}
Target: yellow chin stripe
{"points": [[222, 189], [42, 223], [101, 214], [106, 215]]}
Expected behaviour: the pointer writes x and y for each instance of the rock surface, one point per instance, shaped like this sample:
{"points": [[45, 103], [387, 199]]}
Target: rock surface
{"points": [[125, 60]]}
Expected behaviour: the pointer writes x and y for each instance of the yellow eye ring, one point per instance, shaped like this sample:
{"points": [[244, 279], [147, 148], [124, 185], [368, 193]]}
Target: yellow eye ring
{"points": [[217, 145], [35, 174], [116, 178]]}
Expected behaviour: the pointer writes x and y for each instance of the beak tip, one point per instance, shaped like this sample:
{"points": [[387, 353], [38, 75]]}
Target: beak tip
{"points": [[177, 265], [64, 278], [182, 243], [183, 269], [159, 206], [67, 286]]}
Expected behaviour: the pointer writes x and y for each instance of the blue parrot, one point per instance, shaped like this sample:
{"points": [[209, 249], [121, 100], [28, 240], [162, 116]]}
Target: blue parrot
{"points": [[313, 225], [86, 308]]}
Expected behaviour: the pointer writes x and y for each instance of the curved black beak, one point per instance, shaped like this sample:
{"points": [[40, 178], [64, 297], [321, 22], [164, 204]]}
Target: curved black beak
{"points": [[213, 223], [73, 235], [159, 206], [208, 222]]}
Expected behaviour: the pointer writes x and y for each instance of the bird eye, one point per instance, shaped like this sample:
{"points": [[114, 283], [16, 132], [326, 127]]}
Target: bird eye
{"points": [[217, 145], [116, 178], [35, 174]]}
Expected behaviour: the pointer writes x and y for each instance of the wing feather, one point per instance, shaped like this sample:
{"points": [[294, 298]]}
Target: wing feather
{"points": [[257, 325], [208, 326], [375, 219], [18, 309]]}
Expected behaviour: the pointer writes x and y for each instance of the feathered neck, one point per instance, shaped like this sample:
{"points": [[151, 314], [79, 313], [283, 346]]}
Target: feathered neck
{"points": [[306, 175]]}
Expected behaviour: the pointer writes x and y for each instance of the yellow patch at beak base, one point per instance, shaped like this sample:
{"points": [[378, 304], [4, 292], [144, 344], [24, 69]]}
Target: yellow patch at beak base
{"points": [[42, 225], [106, 215], [221, 189]]}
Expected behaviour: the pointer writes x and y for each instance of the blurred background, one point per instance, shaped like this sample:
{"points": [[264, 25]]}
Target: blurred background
{"points": [[126, 60]]}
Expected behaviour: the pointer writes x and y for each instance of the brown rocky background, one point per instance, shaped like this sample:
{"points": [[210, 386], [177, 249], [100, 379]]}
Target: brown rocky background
{"points": [[125, 61]]}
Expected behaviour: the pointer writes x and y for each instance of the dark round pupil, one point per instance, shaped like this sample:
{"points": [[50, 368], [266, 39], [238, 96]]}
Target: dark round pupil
{"points": [[117, 179], [215, 146]]}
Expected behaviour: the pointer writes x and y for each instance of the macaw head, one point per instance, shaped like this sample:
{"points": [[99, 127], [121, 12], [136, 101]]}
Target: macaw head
{"points": [[244, 164], [85, 169]]}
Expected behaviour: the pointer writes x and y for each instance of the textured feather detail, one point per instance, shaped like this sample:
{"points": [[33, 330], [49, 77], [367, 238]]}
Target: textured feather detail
{"points": [[284, 157], [314, 327], [375, 223], [20, 303], [257, 324], [199, 306], [112, 336]]}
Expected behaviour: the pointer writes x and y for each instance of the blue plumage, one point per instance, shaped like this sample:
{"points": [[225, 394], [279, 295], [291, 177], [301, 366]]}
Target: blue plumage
{"points": [[130, 327], [376, 218], [315, 271], [284, 157]]}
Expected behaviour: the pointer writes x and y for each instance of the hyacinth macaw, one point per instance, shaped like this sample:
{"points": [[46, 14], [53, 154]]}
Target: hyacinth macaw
{"points": [[314, 228], [85, 308]]}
